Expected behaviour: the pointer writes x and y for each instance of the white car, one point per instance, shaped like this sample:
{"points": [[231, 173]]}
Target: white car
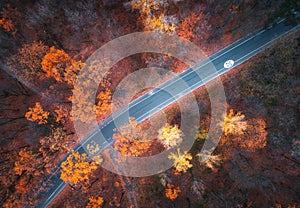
{"points": [[151, 92], [228, 64]]}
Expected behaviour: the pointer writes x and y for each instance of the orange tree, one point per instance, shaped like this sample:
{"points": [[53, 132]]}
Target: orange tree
{"points": [[8, 25], [172, 192], [26, 63], [82, 109], [55, 62], [95, 202], [61, 114], [247, 134], [131, 140], [71, 71], [159, 23], [255, 135], [37, 114], [77, 168], [28, 162], [9, 19], [104, 102], [59, 65], [30, 56], [50, 145], [28, 167], [186, 28]]}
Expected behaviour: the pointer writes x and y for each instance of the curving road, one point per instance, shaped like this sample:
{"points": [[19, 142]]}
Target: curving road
{"points": [[158, 98]]}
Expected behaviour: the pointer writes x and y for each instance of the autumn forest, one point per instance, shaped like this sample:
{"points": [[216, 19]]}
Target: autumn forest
{"points": [[45, 45]]}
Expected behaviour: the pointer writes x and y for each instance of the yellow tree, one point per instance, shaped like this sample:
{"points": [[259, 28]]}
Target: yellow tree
{"points": [[201, 133], [151, 20], [233, 123], [146, 7], [95, 202], [131, 140], [209, 160], [181, 161], [172, 192], [160, 23], [249, 135], [170, 136], [93, 148], [37, 114], [76, 168]]}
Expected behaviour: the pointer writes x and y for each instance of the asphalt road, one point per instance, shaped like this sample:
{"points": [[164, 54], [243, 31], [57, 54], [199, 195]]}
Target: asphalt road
{"points": [[160, 97]]}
